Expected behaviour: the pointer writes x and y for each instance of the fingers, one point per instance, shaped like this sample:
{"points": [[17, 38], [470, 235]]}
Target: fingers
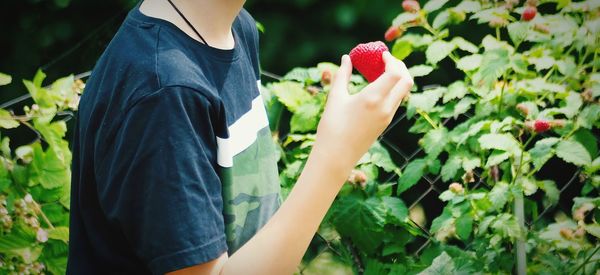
{"points": [[400, 92], [339, 85], [393, 86]]}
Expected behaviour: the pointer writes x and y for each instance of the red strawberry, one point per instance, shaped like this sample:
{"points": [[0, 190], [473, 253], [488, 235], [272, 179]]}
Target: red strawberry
{"points": [[541, 126], [368, 59], [529, 13], [392, 33], [411, 6]]}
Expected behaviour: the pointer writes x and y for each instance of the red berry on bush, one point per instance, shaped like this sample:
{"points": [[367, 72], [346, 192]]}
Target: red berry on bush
{"points": [[541, 126], [529, 13], [392, 33], [368, 59], [411, 6]]}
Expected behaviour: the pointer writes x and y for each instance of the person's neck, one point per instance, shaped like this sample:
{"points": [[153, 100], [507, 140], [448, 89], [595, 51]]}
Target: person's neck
{"points": [[211, 18]]}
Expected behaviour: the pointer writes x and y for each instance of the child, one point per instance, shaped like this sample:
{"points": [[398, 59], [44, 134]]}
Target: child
{"points": [[174, 169]]}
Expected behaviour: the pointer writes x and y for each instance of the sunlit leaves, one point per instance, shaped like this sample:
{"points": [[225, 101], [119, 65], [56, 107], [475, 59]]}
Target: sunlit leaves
{"points": [[493, 64], [420, 70], [438, 50], [5, 79], [573, 152], [411, 174]]}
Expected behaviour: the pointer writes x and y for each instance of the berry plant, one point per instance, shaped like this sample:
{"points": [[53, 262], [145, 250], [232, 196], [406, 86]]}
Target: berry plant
{"points": [[519, 104], [35, 179]]}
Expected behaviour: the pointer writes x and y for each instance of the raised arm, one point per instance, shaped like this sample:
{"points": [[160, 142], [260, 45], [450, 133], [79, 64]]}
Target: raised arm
{"points": [[349, 126]]}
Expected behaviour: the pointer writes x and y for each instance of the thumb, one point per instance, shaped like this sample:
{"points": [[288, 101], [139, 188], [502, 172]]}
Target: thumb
{"points": [[342, 76]]}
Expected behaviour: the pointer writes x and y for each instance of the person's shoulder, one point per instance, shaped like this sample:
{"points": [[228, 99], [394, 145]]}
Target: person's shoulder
{"points": [[247, 25]]}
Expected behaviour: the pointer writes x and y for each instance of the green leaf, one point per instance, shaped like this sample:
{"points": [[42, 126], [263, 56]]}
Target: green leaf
{"points": [[291, 94], [260, 27], [518, 31], [5, 79], [468, 6], [442, 264], [552, 193], [542, 63], [451, 167], [463, 106], [528, 185], [412, 174], [381, 157], [38, 78], [464, 226], [552, 234], [434, 141], [402, 49], [442, 221], [57, 265], [360, 219], [567, 66], [496, 158], [20, 242], [542, 151], [7, 121], [306, 118], [589, 116], [404, 18], [441, 19], [60, 233], [469, 63], [506, 225], [465, 45], [433, 5], [457, 89], [593, 229], [424, 101], [438, 50], [574, 102], [504, 142], [396, 209], [588, 140], [573, 152], [420, 70], [49, 168], [498, 196], [493, 64]]}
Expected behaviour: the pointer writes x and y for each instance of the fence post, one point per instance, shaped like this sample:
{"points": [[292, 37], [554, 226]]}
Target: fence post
{"points": [[521, 255]]}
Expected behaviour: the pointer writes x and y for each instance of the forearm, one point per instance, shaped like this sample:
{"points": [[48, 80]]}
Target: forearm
{"points": [[279, 246]]}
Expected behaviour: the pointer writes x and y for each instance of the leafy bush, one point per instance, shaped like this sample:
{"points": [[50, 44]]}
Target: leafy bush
{"points": [[526, 95], [35, 180]]}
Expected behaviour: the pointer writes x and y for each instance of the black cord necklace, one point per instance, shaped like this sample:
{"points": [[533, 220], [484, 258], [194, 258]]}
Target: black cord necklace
{"points": [[188, 22]]}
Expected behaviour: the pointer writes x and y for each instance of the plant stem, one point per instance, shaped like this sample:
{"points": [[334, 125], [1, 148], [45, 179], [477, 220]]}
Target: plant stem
{"points": [[521, 254], [426, 117], [586, 260], [355, 257], [501, 93]]}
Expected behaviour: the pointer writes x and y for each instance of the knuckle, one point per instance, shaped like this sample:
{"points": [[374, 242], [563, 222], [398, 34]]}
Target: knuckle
{"points": [[371, 102], [410, 82]]}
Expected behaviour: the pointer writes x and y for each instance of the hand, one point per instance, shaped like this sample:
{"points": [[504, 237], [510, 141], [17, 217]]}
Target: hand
{"points": [[351, 123]]}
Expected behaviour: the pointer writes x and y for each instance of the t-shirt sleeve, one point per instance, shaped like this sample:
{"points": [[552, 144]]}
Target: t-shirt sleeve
{"points": [[164, 191], [248, 26]]}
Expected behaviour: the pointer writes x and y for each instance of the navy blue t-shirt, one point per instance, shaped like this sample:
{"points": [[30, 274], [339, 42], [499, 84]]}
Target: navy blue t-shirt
{"points": [[173, 160]]}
